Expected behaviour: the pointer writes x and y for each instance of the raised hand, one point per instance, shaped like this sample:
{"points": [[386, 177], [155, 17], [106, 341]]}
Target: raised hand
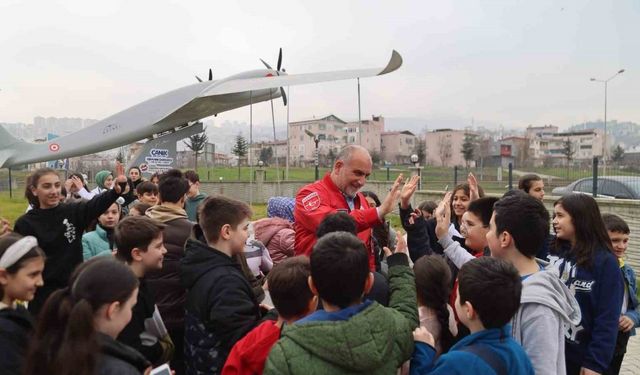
{"points": [[401, 246], [5, 228], [407, 191], [474, 192], [443, 216], [390, 200], [121, 185], [77, 183]]}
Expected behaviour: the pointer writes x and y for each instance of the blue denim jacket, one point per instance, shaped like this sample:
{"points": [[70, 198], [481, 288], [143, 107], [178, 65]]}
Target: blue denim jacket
{"points": [[632, 307]]}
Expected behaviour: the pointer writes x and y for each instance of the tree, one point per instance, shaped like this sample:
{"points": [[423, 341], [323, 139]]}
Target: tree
{"points": [[568, 150], [331, 156], [376, 157], [266, 154], [617, 154], [240, 149], [420, 149], [468, 148], [120, 156], [197, 143], [444, 149]]}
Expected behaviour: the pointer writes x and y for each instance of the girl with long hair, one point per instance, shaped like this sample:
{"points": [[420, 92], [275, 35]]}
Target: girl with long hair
{"points": [[59, 226], [77, 330], [21, 265], [583, 258]]}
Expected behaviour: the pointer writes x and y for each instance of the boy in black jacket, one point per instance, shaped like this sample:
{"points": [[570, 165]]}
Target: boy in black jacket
{"points": [[221, 306], [140, 244]]}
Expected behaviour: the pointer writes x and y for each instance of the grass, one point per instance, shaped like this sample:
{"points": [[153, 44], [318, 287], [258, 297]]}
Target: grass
{"points": [[12, 208]]}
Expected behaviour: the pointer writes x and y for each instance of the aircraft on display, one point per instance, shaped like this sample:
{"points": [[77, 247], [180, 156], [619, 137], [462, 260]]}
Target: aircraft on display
{"points": [[174, 110]]}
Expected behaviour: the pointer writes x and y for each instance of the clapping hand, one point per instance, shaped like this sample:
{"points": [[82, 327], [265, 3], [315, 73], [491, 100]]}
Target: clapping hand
{"points": [[443, 216], [407, 191], [121, 186], [401, 246], [474, 191], [389, 202]]}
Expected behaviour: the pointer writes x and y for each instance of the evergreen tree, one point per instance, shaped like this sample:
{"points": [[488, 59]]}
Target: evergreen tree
{"points": [[197, 143], [617, 154], [240, 149]]}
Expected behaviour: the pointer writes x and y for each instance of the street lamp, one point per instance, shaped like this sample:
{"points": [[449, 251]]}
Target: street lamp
{"points": [[317, 162], [604, 146], [416, 165]]}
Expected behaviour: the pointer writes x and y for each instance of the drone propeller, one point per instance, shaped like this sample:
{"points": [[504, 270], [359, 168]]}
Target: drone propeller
{"points": [[210, 76], [278, 70]]}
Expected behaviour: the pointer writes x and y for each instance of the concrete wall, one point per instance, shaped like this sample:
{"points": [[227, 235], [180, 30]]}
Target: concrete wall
{"points": [[259, 193]]}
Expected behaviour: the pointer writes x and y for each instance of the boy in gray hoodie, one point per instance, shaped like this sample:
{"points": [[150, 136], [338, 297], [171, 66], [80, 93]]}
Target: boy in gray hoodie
{"points": [[518, 227]]}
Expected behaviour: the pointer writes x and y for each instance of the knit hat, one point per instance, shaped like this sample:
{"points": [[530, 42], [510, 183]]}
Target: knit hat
{"points": [[101, 177]]}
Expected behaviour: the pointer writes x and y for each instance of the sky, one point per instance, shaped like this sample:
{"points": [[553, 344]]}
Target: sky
{"points": [[510, 62]]}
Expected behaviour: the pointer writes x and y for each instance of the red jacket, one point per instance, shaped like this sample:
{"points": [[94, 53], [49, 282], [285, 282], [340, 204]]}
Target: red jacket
{"points": [[317, 200], [249, 355]]}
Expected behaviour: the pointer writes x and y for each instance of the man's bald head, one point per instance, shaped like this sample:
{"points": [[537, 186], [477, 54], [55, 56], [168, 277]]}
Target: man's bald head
{"points": [[352, 167], [353, 151]]}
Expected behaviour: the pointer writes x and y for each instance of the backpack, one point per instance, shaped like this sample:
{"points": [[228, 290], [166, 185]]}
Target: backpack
{"points": [[489, 356]]}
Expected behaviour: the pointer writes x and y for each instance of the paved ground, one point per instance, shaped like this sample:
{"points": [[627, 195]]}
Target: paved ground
{"points": [[631, 363]]}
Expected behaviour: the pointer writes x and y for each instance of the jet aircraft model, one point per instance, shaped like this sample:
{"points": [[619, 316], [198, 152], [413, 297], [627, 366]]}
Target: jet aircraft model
{"points": [[174, 110]]}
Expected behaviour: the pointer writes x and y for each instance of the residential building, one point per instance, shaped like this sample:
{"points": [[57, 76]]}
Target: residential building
{"points": [[444, 147], [333, 133], [397, 146], [271, 151]]}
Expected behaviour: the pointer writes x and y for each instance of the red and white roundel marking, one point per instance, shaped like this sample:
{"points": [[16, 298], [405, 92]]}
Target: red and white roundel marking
{"points": [[54, 147], [311, 201]]}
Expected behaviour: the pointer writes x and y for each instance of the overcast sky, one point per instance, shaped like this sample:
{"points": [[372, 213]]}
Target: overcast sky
{"points": [[512, 62]]}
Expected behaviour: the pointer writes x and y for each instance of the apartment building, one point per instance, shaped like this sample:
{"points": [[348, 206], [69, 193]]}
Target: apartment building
{"points": [[333, 133], [397, 146], [444, 147]]}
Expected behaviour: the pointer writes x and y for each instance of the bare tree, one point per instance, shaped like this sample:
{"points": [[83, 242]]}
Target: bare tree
{"points": [[444, 149]]}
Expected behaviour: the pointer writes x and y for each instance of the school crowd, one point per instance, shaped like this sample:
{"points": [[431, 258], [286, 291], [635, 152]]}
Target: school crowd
{"points": [[138, 276]]}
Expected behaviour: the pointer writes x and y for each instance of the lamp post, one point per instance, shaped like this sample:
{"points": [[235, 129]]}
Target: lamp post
{"points": [[416, 165], [317, 161], [604, 146]]}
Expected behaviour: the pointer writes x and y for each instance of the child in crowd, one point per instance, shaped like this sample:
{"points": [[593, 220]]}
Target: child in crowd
{"points": [[289, 288], [194, 197], [155, 178], [343, 222], [350, 335], [77, 330], [135, 177], [59, 226], [583, 259], [277, 235], [433, 284], [426, 209], [475, 225], [21, 265], [630, 314], [147, 193], [488, 297], [221, 306], [421, 233], [533, 185], [100, 240], [382, 235], [519, 225], [257, 256], [139, 209], [170, 293], [104, 182], [140, 246]]}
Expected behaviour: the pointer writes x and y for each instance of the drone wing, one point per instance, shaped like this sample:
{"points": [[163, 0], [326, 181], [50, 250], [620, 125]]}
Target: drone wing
{"points": [[250, 84]]}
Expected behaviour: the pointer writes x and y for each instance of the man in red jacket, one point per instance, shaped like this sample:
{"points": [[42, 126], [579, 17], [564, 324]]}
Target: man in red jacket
{"points": [[339, 191]]}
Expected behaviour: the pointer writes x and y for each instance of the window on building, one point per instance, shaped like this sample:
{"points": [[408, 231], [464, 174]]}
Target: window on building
{"points": [[322, 137], [585, 147], [322, 126]]}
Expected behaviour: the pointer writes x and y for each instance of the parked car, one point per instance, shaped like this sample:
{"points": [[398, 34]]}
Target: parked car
{"points": [[620, 187]]}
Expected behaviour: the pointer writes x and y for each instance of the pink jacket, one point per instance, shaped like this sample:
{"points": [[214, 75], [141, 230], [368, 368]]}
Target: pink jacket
{"points": [[277, 235]]}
